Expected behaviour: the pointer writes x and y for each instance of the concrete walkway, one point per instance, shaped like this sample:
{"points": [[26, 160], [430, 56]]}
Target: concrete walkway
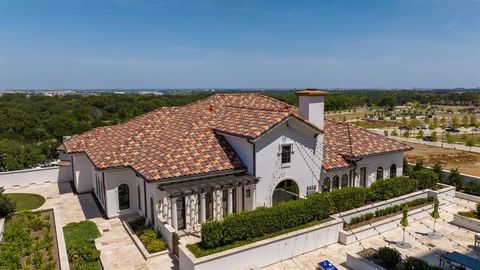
{"points": [[117, 248], [475, 149]]}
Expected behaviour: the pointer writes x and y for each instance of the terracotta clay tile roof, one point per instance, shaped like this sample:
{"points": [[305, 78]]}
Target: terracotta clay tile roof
{"points": [[185, 141], [181, 141], [344, 141]]}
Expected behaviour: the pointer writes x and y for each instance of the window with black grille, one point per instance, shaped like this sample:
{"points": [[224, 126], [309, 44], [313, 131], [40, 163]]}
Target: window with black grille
{"points": [[286, 153]]}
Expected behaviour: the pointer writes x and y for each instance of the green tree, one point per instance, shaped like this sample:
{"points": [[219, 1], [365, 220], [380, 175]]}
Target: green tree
{"points": [[455, 123], [455, 178], [404, 221], [437, 168], [465, 121], [435, 122], [435, 215], [394, 132], [450, 138], [443, 121], [420, 134], [434, 136], [473, 120], [407, 169], [418, 166]]}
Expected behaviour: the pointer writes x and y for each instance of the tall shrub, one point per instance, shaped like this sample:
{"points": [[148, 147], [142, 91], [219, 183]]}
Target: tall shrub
{"points": [[455, 178], [426, 178], [385, 189], [7, 207], [347, 198]]}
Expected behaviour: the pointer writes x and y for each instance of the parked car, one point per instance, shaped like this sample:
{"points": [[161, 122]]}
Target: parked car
{"points": [[451, 129], [475, 129], [428, 138], [404, 127], [424, 126]]}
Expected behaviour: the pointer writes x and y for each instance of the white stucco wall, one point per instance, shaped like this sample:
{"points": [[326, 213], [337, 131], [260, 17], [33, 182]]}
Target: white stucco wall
{"points": [[244, 150], [373, 162], [84, 173], [22, 178], [265, 252], [113, 179], [306, 159]]}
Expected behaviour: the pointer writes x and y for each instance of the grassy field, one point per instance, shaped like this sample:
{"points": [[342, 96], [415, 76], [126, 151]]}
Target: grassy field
{"points": [[26, 201]]}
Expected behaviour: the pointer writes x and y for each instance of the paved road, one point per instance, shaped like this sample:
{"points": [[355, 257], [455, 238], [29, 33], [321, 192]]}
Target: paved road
{"points": [[475, 149]]}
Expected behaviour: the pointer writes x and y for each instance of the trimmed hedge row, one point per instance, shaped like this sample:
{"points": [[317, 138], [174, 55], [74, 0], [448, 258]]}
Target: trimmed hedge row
{"points": [[262, 221], [389, 210], [390, 188], [348, 198]]}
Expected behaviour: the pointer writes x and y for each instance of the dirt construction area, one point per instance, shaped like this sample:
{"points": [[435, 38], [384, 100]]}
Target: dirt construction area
{"points": [[466, 162]]}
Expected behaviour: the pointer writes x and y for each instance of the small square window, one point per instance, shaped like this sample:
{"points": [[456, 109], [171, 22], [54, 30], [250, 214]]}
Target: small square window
{"points": [[286, 153]]}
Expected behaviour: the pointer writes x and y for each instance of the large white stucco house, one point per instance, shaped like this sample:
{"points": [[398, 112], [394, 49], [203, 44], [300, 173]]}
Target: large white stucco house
{"points": [[227, 153]]}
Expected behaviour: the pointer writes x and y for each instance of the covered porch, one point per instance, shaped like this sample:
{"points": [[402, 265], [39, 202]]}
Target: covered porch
{"points": [[187, 204]]}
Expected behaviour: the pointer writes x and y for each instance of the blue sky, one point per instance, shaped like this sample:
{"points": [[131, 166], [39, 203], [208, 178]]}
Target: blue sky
{"points": [[239, 44]]}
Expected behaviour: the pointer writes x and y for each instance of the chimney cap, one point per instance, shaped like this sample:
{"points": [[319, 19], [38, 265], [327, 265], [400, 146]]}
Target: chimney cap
{"points": [[311, 92]]}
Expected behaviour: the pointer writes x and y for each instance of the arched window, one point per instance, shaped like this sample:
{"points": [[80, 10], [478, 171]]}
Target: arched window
{"points": [[326, 184], [379, 173], [285, 191], [345, 180], [336, 182], [123, 196], [393, 171]]}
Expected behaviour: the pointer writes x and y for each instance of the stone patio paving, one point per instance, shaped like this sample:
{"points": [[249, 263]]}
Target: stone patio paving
{"points": [[336, 253], [117, 248], [119, 251]]}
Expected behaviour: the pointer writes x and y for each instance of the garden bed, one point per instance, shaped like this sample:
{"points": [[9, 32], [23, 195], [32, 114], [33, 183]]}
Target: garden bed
{"points": [[386, 213], [199, 251], [80, 242], [30, 242], [147, 240]]}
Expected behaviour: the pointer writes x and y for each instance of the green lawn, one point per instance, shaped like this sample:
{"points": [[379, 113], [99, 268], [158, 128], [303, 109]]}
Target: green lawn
{"points": [[80, 241], [26, 201]]}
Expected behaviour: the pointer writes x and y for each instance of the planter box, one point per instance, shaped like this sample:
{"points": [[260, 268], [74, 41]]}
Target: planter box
{"points": [[139, 243], [265, 252], [467, 197], [352, 236], [355, 261], [467, 223], [445, 196]]}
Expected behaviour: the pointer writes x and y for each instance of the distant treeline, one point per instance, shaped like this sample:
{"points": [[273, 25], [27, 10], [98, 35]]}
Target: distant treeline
{"points": [[347, 100], [31, 127]]}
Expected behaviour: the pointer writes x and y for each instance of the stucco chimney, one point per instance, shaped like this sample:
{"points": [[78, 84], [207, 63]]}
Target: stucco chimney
{"points": [[311, 105]]}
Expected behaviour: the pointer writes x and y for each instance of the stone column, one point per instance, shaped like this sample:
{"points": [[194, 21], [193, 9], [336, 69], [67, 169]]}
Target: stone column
{"points": [[174, 214], [254, 197], [203, 214], [230, 201]]}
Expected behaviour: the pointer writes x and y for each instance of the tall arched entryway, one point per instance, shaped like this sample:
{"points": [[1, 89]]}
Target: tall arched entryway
{"points": [[285, 191]]}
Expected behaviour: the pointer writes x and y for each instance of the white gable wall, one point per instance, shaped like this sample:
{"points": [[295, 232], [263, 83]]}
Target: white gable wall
{"points": [[305, 165]]}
